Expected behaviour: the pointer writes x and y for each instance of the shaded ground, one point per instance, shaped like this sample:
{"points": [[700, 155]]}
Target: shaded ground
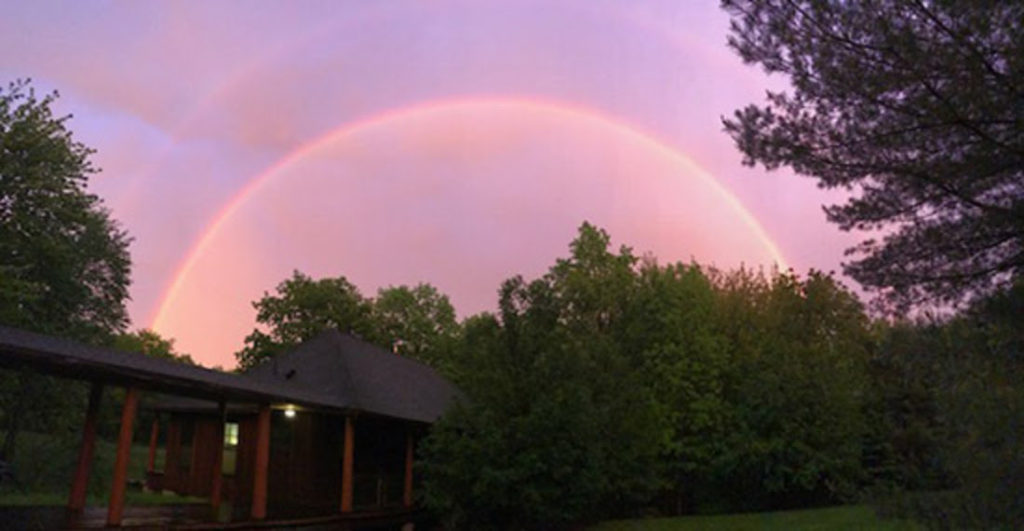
{"points": [[44, 466], [852, 517], [38, 517]]}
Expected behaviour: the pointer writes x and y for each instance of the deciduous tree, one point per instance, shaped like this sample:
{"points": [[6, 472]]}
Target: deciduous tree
{"points": [[556, 428], [300, 309], [64, 263], [416, 321], [150, 343]]}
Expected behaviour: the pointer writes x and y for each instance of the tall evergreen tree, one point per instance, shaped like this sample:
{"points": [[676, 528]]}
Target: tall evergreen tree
{"points": [[914, 107]]}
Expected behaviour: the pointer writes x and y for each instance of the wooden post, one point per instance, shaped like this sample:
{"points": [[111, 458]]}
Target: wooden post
{"points": [[192, 482], [154, 433], [218, 458], [80, 482], [172, 455], [407, 491], [346, 466], [115, 507], [259, 482]]}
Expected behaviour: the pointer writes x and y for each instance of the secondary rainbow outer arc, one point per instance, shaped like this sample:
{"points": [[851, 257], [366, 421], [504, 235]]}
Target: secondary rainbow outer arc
{"points": [[558, 109]]}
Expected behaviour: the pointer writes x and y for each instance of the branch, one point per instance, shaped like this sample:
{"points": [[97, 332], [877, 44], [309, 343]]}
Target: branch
{"points": [[966, 44]]}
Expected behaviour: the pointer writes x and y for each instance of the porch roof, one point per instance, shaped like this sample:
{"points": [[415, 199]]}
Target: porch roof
{"points": [[333, 371], [358, 375]]}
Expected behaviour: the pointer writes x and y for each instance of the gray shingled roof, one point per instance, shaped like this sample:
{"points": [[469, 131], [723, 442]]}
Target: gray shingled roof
{"points": [[362, 376], [332, 371]]}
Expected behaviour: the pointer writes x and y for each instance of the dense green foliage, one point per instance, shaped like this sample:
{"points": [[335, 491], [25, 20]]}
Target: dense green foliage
{"points": [[610, 384], [417, 321], [792, 387], [954, 404], [613, 386], [150, 343], [557, 423], [64, 264], [915, 108]]}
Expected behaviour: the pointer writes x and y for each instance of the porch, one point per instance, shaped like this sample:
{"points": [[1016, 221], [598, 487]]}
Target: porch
{"points": [[259, 449]]}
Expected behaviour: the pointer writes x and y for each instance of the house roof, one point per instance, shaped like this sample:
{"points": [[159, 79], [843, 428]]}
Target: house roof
{"points": [[63, 357], [332, 371], [358, 375]]}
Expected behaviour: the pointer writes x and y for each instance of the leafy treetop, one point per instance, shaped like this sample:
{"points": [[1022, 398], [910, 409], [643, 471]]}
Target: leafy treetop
{"points": [[415, 321], [64, 263]]}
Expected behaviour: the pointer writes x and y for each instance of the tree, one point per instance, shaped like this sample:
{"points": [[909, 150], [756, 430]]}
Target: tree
{"points": [[555, 428], [150, 343], [64, 263], [915, 109], [418, 322], [301, 309], [672, 340], [793, 386], [953, 398]]}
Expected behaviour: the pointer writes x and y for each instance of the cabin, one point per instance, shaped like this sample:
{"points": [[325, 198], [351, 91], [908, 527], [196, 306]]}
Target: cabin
{"points": [[324, 433]]}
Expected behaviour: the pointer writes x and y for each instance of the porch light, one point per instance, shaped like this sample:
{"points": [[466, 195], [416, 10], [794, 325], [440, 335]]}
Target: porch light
{"points": [[289, 412]]}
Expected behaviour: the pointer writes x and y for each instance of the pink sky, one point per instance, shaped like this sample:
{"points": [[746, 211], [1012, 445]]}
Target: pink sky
{"points": [[394, 142]]}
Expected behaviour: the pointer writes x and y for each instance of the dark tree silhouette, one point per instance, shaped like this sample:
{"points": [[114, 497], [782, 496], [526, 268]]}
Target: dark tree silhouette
{"points": [[917, 108]]}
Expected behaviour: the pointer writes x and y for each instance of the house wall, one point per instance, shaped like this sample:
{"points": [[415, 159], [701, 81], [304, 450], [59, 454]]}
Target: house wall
{"points": [[245, 460], [304, 476], [172, 471], [379, 462], [205, 444], [305, 464]]}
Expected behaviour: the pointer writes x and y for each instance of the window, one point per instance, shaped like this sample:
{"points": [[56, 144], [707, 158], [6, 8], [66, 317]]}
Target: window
{"points": [[231, 434], [230, 448]]}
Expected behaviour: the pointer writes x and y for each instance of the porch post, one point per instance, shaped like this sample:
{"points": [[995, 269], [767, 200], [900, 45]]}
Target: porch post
{"points": [[172, 455], [259, 487], [346, 466], [192, 482], [115, 507], [218, 459], [80, 482], [154, 433], [407, 491]]}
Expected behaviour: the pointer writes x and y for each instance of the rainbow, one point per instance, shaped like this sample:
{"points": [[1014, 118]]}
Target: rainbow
{"points": [[558, 110]]}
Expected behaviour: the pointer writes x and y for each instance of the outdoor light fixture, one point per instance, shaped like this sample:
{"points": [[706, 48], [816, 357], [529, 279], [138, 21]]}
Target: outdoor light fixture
{"points": [[289, 412]]}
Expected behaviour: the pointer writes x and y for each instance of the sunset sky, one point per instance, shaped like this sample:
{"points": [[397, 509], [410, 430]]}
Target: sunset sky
{"points": [[452, 142]]}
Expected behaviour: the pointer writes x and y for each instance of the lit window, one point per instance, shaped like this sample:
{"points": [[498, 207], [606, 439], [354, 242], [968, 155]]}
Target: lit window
{"points": [[231, 434]]}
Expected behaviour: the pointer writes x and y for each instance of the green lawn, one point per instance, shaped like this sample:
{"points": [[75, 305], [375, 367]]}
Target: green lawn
{"points": [[136, 498], [851, 517], [45, 464]]}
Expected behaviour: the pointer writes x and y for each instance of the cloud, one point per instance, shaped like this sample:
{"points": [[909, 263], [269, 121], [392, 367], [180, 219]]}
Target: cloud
{"points": [[500, 192], [188, 102]]}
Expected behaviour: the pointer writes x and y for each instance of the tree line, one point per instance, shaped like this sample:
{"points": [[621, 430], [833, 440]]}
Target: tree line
{"points": [[615, 386]]}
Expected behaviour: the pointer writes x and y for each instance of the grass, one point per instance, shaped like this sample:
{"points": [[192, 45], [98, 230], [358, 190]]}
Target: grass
{"points": [[44, 465], [850, 517], [136, 498]]}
